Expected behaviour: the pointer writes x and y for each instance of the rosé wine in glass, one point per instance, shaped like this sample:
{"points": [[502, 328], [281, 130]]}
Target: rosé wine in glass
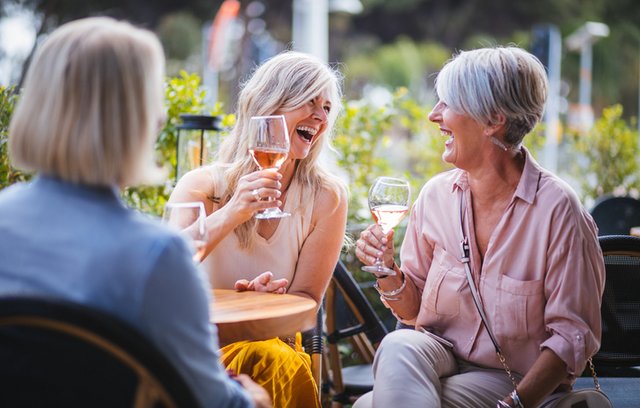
{"points": [[269, 147], [389, 202]]}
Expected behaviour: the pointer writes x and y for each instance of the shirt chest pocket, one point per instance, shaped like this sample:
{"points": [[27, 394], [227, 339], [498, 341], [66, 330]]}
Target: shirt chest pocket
{"points": [[520, 308], [444, 283]]}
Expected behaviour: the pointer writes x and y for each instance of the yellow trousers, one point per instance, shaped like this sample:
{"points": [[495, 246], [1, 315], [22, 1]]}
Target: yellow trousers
{"points": [[283, 372]]}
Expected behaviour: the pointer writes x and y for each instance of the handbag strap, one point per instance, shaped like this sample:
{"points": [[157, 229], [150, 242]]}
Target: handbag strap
{"points": [[465, 259]]}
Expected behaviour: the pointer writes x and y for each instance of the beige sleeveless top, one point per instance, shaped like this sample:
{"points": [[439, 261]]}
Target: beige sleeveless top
{"points": [[279, 254]]}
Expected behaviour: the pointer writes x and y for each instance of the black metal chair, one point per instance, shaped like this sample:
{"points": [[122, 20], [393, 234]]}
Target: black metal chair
{"points": [[350, 317], [616, 215], [619, 354], [620, 349], [313, 344], [58, 353]]}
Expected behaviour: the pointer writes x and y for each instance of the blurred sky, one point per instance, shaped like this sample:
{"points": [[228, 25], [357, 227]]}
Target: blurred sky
{"points": [[17, 34]]}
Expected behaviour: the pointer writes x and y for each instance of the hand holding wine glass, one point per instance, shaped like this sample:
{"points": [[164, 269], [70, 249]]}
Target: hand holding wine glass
{"points": [[389, 202], [269, 147], [190, 220]]}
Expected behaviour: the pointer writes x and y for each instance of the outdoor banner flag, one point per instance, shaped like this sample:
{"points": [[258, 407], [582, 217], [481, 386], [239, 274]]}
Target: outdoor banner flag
{"points": [[218, 35]]}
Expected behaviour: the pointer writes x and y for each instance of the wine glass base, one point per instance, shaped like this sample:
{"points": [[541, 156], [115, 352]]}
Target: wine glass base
{"points": [[267, 215], [379, 270]]}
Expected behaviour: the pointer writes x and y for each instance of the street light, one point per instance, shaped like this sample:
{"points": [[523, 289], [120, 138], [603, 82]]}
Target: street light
{"points": [[310, 28], [582, 39]]}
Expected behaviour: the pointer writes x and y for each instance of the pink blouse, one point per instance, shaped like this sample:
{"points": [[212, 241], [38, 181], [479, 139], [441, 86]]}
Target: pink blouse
{"points": [[541, 281]]}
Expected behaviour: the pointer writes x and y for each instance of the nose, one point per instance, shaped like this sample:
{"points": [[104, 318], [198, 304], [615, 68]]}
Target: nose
{"points": [[436, 113], [320, 114]]}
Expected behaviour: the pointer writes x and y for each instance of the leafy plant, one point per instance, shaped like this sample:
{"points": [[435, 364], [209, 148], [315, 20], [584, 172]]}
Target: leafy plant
{"points": [[607, 156], [8, 174], [183, 95]]}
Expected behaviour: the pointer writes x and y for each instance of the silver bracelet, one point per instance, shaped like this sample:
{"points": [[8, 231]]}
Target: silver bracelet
{"points": [[391, 295], [516, 399]]}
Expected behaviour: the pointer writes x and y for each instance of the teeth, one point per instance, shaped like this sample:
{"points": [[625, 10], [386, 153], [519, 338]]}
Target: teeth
{"points": [[307, 129]]}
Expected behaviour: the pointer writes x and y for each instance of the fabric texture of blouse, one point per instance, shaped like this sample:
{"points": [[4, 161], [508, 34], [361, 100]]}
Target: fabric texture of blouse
{"points": [[228, 262], [79, 243], [541, 280]]}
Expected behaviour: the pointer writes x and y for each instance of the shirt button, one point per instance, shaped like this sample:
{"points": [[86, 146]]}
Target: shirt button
{"points": [[579, 337]]}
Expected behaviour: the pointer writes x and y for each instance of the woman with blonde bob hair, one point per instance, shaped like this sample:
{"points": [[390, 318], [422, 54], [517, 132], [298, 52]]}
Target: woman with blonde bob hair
{"points": [[86, 123], [296, 254]]}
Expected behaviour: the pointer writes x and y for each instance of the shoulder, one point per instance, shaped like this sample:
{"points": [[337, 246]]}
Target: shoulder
{"points": [[560, 201], [12, 193], [441, 183], [331, 195], [330, 201], [200, 178], [199, 185], [555, 192]]}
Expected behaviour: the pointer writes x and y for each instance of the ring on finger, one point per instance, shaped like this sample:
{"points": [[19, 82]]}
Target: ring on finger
{"points": [[256, 194]]}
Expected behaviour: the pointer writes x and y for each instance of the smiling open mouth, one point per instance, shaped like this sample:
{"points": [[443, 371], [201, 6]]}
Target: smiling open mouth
{"points": [[306, 132]]}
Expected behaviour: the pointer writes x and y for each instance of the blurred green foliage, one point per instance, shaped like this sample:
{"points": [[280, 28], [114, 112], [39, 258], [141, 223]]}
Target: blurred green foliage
{"points": [[183, 95], [403, 63], [607, 156], [8, 174]]}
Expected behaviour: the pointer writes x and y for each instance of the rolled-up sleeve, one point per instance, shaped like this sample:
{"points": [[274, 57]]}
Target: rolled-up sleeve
{"points": [[574, 287]]}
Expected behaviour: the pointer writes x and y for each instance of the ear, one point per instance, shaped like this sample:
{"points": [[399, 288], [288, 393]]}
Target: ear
{"points": [[495, 125]]}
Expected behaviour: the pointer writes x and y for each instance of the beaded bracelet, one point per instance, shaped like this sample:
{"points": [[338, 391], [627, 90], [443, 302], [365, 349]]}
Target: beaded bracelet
{"points": [[391, 295]]}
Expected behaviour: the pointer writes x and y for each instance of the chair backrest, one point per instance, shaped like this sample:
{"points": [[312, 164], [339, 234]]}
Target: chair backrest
{"points": [[312, 343], [620, 304], [616, 215], [59, 353], [350, 317], [355, 312]]}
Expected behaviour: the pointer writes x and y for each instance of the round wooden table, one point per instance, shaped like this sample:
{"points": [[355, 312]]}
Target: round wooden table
{"points": [[254, 315]]}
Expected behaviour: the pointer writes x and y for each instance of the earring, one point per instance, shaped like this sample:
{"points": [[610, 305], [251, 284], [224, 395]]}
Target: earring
{"points": [[499, 143]]}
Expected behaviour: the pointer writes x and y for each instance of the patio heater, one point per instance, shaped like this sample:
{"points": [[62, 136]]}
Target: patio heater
{"points": [[197, 139]]}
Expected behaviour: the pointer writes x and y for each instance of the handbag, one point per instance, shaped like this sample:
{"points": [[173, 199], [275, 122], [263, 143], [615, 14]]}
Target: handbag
{"points": [[584, 398]]}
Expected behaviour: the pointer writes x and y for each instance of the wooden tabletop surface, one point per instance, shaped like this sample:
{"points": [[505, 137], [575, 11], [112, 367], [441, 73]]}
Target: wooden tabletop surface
{"points": [[254, 315]]}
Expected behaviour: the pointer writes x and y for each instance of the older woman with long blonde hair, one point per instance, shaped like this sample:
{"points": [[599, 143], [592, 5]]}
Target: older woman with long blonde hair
{"points": [[296, 254]]}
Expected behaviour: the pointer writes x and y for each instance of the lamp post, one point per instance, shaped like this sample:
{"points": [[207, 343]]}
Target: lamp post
{"points": [[582, 39], [310, 28]]}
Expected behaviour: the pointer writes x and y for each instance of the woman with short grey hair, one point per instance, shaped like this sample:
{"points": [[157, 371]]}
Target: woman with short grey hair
{"points": [[498, 235]]}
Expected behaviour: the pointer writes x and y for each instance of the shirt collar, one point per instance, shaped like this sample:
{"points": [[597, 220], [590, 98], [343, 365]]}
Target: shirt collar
{"points": [[527, 186]]}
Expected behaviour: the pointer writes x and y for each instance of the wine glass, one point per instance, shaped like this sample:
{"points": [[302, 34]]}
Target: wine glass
{"points": [[389, 202], [269, 147], [190, 220]]}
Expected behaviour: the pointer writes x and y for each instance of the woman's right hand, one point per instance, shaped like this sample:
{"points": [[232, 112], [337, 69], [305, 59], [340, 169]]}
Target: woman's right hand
{"points": [[251, 192], [373, 244]]}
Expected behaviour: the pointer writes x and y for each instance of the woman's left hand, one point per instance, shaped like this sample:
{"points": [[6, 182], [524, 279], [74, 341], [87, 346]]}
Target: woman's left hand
{"points": [[263, 283]]}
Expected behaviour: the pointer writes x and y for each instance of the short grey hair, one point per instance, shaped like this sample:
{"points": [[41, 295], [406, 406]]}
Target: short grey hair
{"points": [[488, 82], [92, 104]]}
